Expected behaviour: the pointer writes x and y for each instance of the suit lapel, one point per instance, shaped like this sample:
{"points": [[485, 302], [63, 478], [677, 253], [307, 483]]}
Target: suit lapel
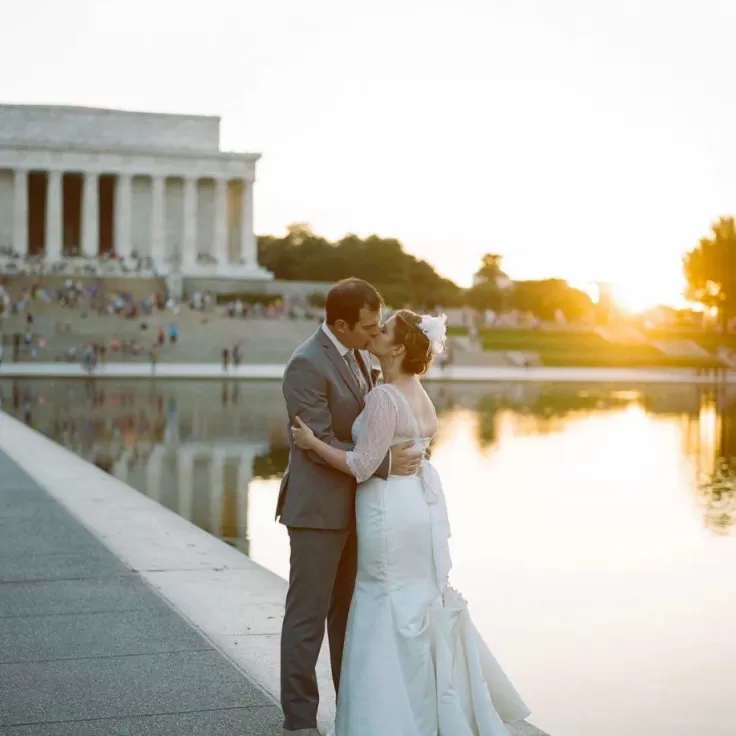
{"points": [[340, 364]]}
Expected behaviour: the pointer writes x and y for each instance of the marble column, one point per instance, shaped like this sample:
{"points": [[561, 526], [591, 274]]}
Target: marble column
{"points": [[54, 216], [189, 239], [220, 222], [153, 472], [248, 246], [121, 466], [217, 490], [158, 221], [20, 213], [172, 435], [245, 476], [185, 480], [91, 216], [123, 217]]}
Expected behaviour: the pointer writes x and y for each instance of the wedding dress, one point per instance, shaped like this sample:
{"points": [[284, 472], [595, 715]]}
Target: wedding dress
{"points": [[414, 663]]}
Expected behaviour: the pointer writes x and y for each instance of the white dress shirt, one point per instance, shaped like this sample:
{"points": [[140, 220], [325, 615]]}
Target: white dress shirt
{"points": [[340, 347]]}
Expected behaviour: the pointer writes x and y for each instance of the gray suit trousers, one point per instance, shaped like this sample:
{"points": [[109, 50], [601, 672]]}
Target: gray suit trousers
{"points": [[321, 583]]}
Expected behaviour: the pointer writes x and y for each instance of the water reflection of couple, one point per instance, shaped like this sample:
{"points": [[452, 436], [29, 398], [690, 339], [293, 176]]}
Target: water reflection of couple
{"points": [[406, 658]]}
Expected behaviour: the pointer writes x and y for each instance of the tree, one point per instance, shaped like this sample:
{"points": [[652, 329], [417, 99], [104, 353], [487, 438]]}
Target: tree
{"points": [[490, 271], [543, 298], [710, 270], [491, 286], [301, 255], [485, 295]]}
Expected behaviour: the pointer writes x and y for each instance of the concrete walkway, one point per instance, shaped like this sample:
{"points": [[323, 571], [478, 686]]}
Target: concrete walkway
{"points": [[267, 371], [118, 617], [87, 648]]}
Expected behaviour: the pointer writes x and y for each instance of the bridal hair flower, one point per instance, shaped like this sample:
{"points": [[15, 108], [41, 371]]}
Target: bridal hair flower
{"points": [[435, 330]]}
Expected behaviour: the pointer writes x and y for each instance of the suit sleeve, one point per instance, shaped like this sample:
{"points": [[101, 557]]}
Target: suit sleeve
{"points": [[305, 392]]}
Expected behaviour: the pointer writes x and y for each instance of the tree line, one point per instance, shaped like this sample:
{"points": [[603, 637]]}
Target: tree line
{"points": [[302, 255]]}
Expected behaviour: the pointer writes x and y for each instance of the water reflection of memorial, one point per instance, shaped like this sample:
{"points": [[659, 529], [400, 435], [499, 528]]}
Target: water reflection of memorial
{"points": [[191, 447], [196, 446], [206, 483]]}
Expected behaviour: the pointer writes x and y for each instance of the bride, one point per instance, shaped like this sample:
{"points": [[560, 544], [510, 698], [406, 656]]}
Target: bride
{"points": [[414, 663]]}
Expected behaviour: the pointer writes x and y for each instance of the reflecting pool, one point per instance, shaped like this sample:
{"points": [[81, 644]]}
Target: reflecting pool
{"points": [[593, 526]]}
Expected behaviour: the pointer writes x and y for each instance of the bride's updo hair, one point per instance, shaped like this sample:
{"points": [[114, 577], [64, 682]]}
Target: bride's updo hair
{"points": [[417, 357]]}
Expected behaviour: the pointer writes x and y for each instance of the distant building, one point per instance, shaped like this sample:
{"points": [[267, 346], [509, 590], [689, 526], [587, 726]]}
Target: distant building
{"points": [[153, 190]]}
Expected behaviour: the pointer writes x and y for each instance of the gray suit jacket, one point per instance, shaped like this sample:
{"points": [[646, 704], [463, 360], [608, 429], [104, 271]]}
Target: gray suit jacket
{"points": [[319, 388]]}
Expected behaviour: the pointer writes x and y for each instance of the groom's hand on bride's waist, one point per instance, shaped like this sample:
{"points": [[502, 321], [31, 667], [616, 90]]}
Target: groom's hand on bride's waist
{"points": [[405, 459]]}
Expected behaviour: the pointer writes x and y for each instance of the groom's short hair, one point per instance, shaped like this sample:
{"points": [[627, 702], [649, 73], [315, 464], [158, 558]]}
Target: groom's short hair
{"points": [[347, 297]]}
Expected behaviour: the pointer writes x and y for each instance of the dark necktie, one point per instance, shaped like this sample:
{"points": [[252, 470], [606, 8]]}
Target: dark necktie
{"points": [[355, 370]]}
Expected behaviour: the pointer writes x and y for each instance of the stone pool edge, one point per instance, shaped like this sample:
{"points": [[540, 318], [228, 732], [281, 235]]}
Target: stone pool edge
{"points": [[236, 604], [275, 371]]}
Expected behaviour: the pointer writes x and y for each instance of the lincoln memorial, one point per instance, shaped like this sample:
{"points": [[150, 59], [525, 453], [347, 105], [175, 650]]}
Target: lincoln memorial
{"points": [[125, 192]]}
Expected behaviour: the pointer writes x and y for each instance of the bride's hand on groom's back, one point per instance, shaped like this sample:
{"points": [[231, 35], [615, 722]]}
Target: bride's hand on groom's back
{"points": [[302, 434], [405, 459]]}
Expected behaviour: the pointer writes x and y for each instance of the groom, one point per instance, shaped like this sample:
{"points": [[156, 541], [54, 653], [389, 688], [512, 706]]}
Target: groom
{"points": [[325, 384]]}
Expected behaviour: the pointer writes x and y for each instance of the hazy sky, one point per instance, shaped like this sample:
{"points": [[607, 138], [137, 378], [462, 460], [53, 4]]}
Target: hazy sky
{"points": [[586, 139]]}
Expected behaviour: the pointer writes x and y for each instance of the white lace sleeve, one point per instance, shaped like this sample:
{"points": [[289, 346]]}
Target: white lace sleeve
{"points": [[376, 432]]}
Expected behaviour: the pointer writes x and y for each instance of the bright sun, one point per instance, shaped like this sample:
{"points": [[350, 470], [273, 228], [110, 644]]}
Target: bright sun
{"points": [[637, 296], [633, 297]]}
